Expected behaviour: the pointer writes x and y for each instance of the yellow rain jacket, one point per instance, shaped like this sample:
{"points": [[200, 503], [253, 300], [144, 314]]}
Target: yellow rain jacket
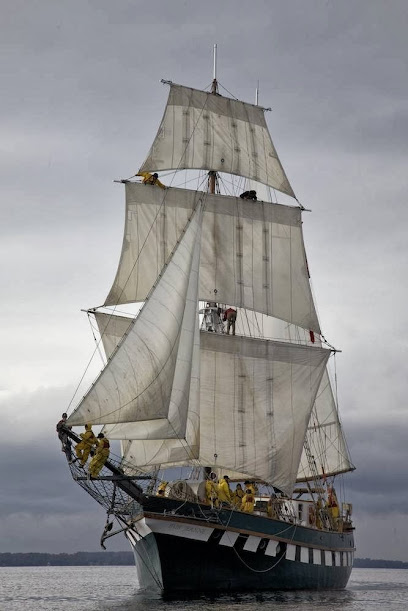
{"points": [[211, 494], [149, 179], [224, 492], [248, 502]]}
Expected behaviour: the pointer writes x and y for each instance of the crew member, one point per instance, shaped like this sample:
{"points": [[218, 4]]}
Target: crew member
{"points": [[230, 315], [211, 494], [161, 489], [151, 179], [83, 448], [248, 501], [224, 492], [66, 444], [249, 195], [100, 457], [332, 505], [238, 496], [251, 486]]}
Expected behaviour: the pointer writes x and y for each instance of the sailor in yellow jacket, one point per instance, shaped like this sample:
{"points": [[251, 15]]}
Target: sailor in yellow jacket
{"points": [[151, 179], [251, 486], [161, 489], [224, 492], [83, 448], [211, 493], [238, 495], [100, 457], [248, 501]]}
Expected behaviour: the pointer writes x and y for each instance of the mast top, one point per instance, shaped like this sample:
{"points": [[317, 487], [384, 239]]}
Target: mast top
{"points": [[214, 85]]}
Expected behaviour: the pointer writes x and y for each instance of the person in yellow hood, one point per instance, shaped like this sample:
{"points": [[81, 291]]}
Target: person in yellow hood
{"points": [[161, 489], [151, 179], [238, 495], [83, 448], [100, 457], [248, 501], [224, 492], [211, 492]]}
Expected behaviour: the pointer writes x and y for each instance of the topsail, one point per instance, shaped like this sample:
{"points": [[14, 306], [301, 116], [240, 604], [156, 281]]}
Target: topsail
{"points": [[200, 130], [252, 253]]}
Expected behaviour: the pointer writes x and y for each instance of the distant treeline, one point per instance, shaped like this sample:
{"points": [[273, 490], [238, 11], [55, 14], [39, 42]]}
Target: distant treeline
{"points": [[367, 563], [126, 558], [78, 559]]}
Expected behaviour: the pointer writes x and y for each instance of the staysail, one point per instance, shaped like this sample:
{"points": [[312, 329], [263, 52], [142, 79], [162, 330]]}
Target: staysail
{"points": [[153, 362], [325, 438], [252, 253], [202, 130]]}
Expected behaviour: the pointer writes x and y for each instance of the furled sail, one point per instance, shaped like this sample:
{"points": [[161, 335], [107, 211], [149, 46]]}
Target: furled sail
{"points": [[252, 253], [207, 131], [325, 438], [149, 373]]}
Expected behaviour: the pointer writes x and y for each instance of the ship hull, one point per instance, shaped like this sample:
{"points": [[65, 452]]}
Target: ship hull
{"points": [[176, 554]]}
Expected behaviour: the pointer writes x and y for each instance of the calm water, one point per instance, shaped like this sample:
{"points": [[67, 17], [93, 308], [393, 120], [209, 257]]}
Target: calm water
{"points": [[115, 589]]}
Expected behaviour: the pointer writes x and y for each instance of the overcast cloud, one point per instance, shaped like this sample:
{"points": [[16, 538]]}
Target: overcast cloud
{"points": [[81, 101]]}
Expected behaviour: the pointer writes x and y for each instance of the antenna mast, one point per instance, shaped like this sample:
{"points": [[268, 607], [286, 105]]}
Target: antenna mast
{"points": [[214, 86], [214, 91]]}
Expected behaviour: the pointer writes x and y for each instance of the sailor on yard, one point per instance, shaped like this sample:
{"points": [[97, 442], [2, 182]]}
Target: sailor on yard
{"points": [[151, 179], [83, 448], [101, 456], [249, 195], [230, 315]]}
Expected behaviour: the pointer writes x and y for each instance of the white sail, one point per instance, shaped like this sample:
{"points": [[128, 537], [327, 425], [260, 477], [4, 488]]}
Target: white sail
{"points": [[255, 402], [324, 433], [325, 438], [201, 130], [112, 328], [252, 253], [152, 365]]}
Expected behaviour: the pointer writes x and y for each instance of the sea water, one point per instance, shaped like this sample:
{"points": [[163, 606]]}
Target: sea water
{"points": [[114, 588]]}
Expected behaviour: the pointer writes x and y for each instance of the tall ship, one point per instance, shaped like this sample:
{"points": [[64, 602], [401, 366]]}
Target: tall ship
{"points": [[226, 447]]}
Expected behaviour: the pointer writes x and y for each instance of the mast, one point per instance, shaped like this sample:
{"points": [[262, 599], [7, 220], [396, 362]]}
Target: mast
{"points": [[214, 91]]}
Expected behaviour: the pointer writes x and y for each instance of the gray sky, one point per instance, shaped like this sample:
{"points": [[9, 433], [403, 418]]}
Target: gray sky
{"points": [[81, 101]]}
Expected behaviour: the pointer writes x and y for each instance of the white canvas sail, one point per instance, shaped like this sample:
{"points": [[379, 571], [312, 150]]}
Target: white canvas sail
{"points": [[150, 366], [201, 130], [324, 433], [255, 402], [252, 254], [325, 438], [112, 328]]}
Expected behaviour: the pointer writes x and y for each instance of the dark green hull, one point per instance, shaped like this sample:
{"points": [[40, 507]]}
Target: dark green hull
{"points": [[233, 551]]}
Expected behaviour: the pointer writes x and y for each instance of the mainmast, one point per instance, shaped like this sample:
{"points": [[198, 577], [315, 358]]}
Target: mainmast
{"points": [[214, 91]]}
